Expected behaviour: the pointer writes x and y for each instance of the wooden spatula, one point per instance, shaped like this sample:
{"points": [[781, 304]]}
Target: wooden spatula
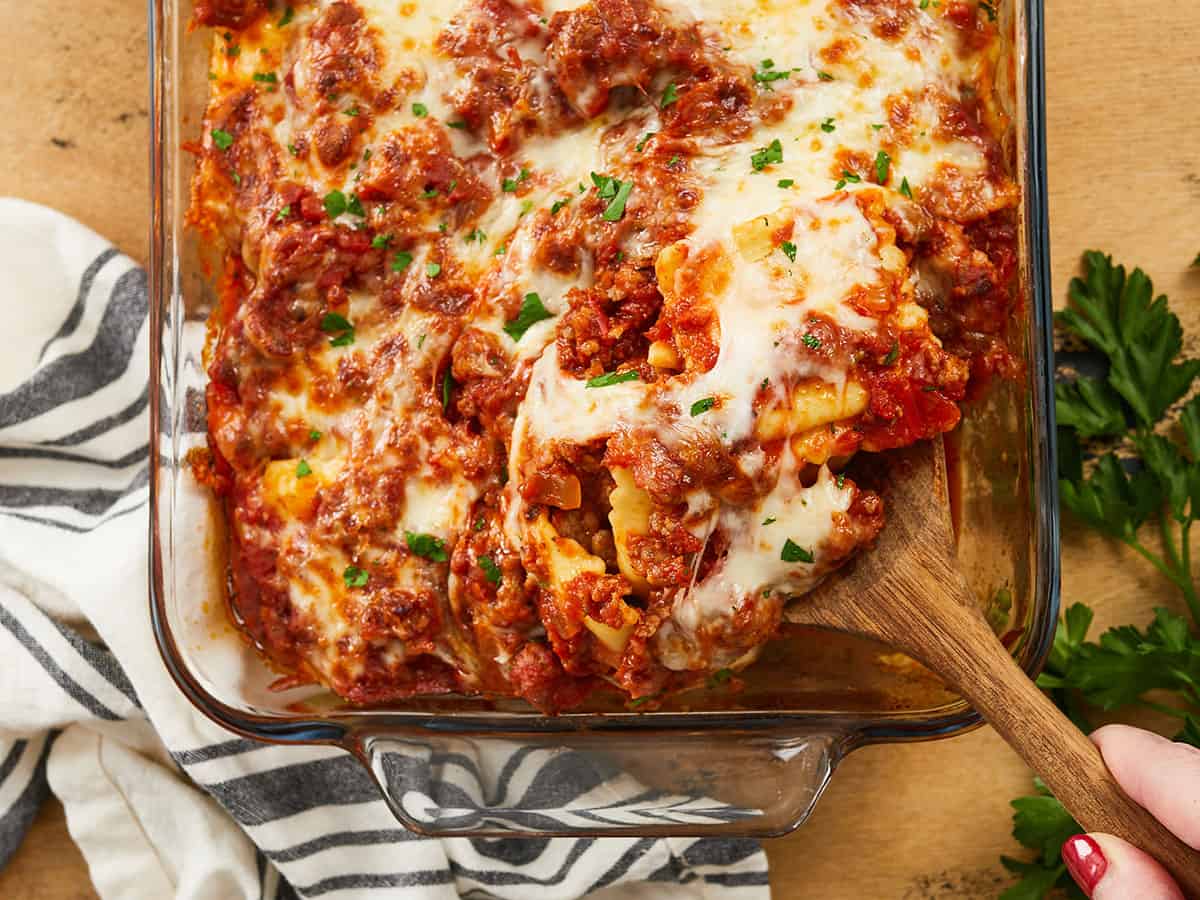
{"points": [[908, 592]]}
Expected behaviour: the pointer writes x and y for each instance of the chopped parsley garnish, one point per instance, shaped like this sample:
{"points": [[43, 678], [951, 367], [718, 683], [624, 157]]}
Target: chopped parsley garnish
{"points": [[786, 182], [616, 209], [526, 207], [848, 177], [420, 341], [557, 205], [789, 250], [352, 111], [237, 179], [824, 76], [672, 161], [314, 435], [720, 677], [420, 110], [989, 9], [460, 125], [223, 139], [428, 194], [892, 355], [303, 469], [670, 95], [288, 14], [793, 552], [335, 204], [353, 576], [354, 206], [641, 145], [381, 241], [532, 312], [476, 235], [448, 385], [283, 213], [811, 341], [339, 327], [827, 125], [769, 73], [233, 51], [491, 571], [265, 77], [611, 378], [501, 250], [606, 185], [510, 185], [433, 270], [703, 406], [905, 189], [769, 520], [293, 149], [773, 153], [426, 546], [401, 261], [883, 165], [841, 480]]}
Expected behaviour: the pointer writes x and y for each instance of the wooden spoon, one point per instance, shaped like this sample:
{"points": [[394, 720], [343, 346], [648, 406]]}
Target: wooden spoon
{"points": [[909, 593]]}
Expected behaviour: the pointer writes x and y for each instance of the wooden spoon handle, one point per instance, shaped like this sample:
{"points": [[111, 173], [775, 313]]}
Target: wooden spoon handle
{"points": [[977, 664]]}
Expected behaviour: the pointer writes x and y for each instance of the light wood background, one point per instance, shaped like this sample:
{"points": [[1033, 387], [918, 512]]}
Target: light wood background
{"points": [[916, 822]]}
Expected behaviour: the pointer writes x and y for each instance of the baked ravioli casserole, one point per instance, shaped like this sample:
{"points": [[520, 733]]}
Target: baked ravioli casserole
{"points": [[547, 329]]}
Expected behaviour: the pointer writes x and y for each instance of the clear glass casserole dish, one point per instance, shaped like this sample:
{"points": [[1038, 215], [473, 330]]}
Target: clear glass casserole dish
{"points": [[709, 763]]}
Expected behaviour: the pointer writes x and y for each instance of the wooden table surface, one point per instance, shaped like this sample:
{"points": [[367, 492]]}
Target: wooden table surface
{"points": [[913, 822]]}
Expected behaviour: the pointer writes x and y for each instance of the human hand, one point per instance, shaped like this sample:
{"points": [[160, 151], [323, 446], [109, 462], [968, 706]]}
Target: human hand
{"points": [[1164, 778]]}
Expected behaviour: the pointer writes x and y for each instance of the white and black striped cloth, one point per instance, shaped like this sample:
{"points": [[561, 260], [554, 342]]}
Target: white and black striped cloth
{"points": [[162, 802]]}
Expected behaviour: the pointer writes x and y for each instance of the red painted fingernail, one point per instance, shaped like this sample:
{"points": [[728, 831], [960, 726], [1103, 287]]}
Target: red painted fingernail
{"points": [[1085, 862]]}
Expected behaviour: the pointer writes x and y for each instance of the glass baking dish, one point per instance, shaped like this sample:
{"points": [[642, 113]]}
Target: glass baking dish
{"points": [[711, 762]]}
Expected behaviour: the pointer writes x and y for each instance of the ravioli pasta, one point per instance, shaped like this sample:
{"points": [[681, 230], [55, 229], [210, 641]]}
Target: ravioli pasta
{"points": [[547, 329]]}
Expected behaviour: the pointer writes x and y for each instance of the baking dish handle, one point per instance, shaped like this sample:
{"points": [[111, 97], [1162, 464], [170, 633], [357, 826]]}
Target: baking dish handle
{"points": [[608, 783]]}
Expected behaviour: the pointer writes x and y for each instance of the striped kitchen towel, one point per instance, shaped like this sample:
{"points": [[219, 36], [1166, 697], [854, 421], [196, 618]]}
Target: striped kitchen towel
{"points": [[162, 802]]}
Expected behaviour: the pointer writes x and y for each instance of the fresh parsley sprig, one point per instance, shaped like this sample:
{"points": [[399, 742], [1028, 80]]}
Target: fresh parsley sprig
{"points": [[1118, 315]]}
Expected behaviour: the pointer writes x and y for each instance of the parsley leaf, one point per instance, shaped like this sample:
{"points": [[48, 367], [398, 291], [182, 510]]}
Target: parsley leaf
{"points": [[703, 406], [616, 210], [426, 546], [768, 73], [1089, 406], [491, 571], [670, 95], [532, 311], [401, 261], [303, 469], [510, 185], [223, 139], [339, 327], [789, 250], [1111, 501], [772, 153], [611, 378], [1119, 315], [353, 576], [883, 165], [793, 552], [335, 204], [848, 177]]}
